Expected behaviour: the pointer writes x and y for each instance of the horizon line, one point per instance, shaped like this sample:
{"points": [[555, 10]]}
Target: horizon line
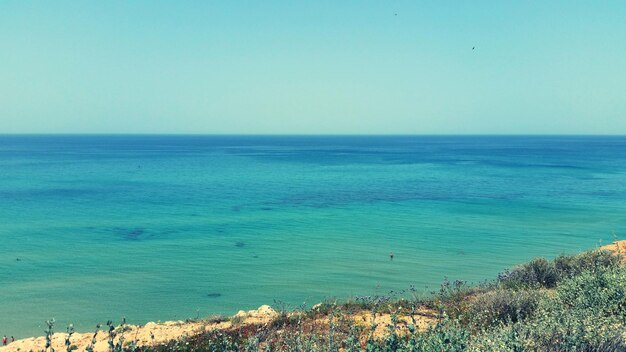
{"points": [[315, 134]]}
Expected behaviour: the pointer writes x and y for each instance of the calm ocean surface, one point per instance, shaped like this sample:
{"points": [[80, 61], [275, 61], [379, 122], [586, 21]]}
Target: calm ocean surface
{"points": [[169, 227]]}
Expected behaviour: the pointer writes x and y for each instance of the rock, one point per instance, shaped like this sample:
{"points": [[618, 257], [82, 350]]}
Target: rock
{"points": [[257, 316]]}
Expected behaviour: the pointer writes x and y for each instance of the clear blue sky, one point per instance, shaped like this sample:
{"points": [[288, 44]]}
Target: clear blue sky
{"points": [[379, 67]]}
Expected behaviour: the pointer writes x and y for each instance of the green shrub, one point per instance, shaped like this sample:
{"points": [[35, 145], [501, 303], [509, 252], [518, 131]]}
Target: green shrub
{"points": [[602, 292], [570, 266], [559, 333], [572, 331], [210, 341], [448, 336], [503, 306], [537, 272]]}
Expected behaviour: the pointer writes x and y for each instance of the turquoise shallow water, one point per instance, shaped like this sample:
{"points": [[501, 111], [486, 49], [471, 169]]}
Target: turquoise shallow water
{"points": [[170, 227]]}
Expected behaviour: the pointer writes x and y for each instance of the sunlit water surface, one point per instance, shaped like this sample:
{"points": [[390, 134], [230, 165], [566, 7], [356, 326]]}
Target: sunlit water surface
{"points": [[170, 227]]}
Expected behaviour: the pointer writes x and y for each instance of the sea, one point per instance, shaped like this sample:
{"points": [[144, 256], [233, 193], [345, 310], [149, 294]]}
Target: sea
{"points": [[171, 227]]}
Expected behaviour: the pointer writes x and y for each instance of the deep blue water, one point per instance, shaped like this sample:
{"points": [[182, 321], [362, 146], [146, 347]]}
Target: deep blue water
{"points": [[170, 227]]}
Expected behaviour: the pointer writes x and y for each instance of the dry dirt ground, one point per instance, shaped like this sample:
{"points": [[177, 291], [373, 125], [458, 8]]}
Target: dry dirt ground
{"points": [[154, 334]]}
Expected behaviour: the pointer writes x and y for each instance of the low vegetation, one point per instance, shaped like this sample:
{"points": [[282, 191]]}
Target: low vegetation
{"points": [[572, 303]]}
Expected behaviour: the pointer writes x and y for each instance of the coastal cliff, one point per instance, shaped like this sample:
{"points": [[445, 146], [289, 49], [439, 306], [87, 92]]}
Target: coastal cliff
{"points": [[479, 317]]}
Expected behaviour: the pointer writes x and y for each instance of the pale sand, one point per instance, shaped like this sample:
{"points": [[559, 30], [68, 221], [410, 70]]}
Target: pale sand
{"points": [[173, 330], [424, 319], [146, 335]]}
